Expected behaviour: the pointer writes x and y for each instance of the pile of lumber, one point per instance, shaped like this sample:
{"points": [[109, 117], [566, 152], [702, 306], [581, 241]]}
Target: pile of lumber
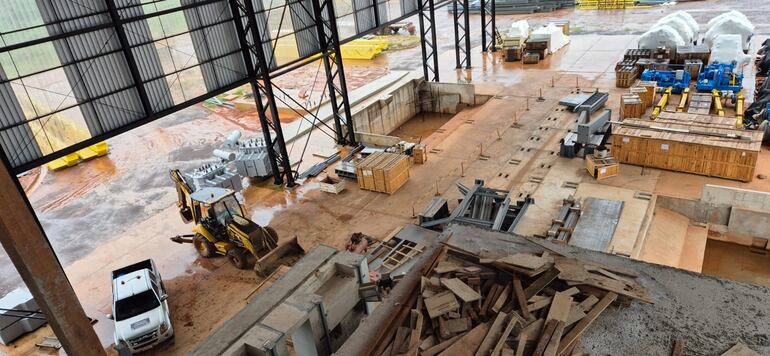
{"points": [[517, 304]]}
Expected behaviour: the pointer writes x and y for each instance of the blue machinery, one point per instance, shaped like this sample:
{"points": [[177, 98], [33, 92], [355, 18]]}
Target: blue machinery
{"points": [[678, 80], [721, 77]]}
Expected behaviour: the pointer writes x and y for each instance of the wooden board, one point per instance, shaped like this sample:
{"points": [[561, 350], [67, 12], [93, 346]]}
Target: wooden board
{"points": [[572, 337], [441, 304], [469, 343], [495, 330], [523, 260], [460, 289], [740, 349]]}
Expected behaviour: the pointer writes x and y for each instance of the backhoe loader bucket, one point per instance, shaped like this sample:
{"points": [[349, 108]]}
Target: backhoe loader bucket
{"points": [[286, 253]]}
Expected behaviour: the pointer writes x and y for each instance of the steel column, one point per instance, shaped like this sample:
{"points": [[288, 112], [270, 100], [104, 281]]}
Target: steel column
{"points": [[26, 245], [488, 27], [276, 148], [329, 42], [427, 16], [130, 60], [462, 34]]}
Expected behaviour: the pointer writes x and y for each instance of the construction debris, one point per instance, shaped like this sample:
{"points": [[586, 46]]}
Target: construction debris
{"points": [[523, 303]]}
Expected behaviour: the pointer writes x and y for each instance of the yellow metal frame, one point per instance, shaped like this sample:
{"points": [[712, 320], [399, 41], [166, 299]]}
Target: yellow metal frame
{"points": [[662, 103], [683, 100], [718, 102], [739, 102]]}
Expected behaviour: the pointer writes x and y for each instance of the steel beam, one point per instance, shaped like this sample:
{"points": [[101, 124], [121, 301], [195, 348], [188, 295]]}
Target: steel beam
{"points": [[488, 27], [462, 26], [24, 240], [427, 17], [276, 148], [130, 60], [329, 42]]}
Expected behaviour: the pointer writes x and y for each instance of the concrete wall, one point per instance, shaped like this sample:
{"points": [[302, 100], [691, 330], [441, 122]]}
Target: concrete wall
{"points": [[446, 98], [377, 140], [696, 210], [743, 198], [749, 222], [389, 112]]}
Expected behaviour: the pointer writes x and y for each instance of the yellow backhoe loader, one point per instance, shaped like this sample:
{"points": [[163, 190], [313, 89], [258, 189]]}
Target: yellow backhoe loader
{"points": [[222, 229]]}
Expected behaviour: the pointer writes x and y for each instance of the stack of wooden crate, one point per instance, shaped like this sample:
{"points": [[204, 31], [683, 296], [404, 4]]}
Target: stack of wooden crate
{"points": [[684, 142], [383, 172], [648, 95], [625, 76], [633, 53], [631, 106]]}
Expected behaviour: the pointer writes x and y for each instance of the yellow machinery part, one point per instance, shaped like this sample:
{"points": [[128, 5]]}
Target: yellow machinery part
{"points": [[739, 102], [662, 103], [223, 247], [683, 100], [199, 229], [718, 102], [64, 162]]}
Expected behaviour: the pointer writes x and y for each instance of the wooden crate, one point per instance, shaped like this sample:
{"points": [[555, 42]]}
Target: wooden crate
{"points": [[634, 53], [332, 185], [420, 154], [625, 63], [530, 58], [602, 168], [383, 172], [631, 106], [513, 54], [625, 77], [648, 96], [686, 145], [564, 24]]}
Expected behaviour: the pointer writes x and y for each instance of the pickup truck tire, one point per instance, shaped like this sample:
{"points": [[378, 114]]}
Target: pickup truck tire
{"points": [[204, 247], [239, 257]]}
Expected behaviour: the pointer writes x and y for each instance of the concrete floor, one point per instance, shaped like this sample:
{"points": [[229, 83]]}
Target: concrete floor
{"points": [[123, 203]]}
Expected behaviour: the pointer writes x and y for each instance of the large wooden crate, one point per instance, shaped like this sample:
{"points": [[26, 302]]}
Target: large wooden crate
{"points": [[631, 106], [420, 154], [684, 143], [383, 172]]}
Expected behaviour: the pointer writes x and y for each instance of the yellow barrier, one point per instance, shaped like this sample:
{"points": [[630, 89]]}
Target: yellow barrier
{"points": [[90, 152], [607, 4]]}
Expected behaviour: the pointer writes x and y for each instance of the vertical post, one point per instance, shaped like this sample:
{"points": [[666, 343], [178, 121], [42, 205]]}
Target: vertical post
{"points": [[462, 34], [467, 20], [428, 40], [25, 242], [483, 4], [455, 18], [130, 60], [494, 26]]}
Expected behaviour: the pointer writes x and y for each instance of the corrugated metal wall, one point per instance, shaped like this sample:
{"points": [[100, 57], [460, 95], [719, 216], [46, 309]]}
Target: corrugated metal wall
{"points": [[18, 142], [304, 24], [214, 39]]}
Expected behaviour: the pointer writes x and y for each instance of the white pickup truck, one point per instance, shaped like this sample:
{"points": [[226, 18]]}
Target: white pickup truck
{"points": [[140, 310]]}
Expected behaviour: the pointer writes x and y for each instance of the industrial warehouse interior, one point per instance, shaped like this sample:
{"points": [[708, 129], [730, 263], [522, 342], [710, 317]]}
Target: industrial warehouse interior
{"points": [[386, 177]]}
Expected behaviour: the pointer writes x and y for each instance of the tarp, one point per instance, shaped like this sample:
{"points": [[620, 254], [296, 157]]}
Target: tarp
{"points": [[661, 36], [519, 29], [728, 49], [680, 26], [553, 34], [687, 18], [730, 25]]}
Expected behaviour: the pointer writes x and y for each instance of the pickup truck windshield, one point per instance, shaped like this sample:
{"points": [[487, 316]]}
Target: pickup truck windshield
{"points": [[134, 305]]}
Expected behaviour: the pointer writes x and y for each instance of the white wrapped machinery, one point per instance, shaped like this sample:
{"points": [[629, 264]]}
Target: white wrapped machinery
{"points": [[661, 36], [730, 25], [729, 49], [688, 19], [732, 14], [516, 35], [681, 27], [551, 33]]}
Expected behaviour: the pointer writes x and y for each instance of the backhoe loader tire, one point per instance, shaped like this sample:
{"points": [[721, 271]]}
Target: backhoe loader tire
{"points": [[204, 247], [239, 257]]}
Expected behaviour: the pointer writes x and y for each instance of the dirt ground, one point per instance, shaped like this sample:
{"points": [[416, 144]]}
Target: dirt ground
{"points": [[120, 208]]}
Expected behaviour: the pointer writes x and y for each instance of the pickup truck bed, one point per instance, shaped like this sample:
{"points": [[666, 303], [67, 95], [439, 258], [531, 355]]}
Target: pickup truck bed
{"points": [[133, 268]]}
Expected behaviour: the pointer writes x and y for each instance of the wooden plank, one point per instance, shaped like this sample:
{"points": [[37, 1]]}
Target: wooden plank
{"points": [[460, 289], [521, 297], [531, 332], [553, 343], [498, 306], [456, 326], [545, 337], [678, 348], [540, 304], [441, 346], [541, 282], [427, 343], [414, 339], [494, 292], [469, 343], [514, 319], [521, 345], [524, 260], [492, 335], [441, 304], [559, 307], [740, 349], [581, 326], [402, 333], [446, 267]]}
